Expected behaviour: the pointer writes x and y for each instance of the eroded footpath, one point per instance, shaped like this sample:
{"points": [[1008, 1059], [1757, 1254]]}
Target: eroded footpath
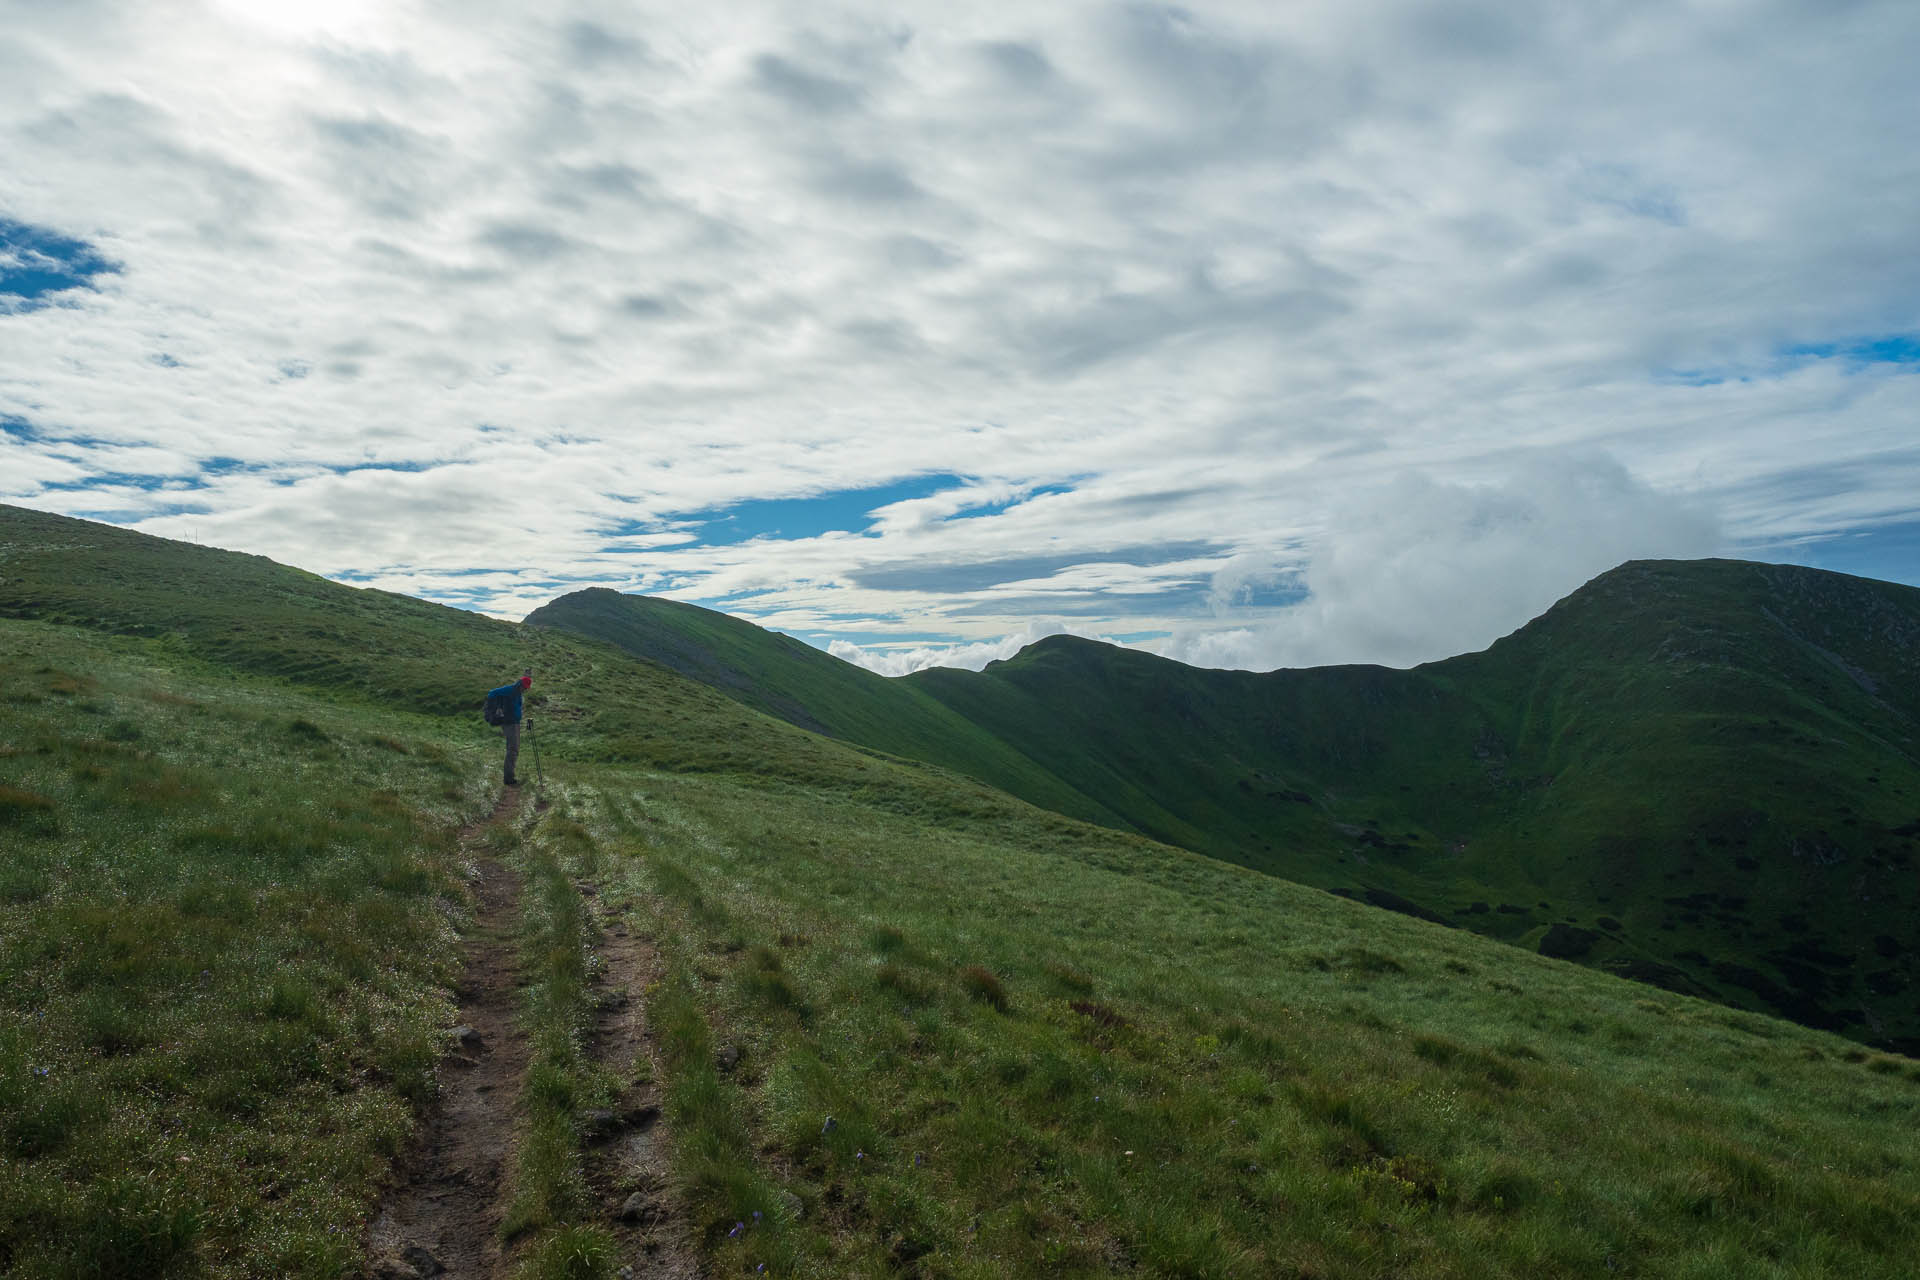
{"points": [[626, 1160], [442, 1214], [454, 1186]]}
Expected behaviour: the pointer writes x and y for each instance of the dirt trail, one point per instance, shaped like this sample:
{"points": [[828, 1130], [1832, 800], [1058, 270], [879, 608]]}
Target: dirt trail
{"points": [[626, 1161], [442, 1214]]}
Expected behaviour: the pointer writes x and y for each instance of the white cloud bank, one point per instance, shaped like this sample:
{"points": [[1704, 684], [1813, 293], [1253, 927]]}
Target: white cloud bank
{"points": [[1418, 570]]}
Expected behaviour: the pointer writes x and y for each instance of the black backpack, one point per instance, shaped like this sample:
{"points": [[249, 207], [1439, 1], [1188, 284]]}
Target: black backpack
{"points": [[498, 708]]}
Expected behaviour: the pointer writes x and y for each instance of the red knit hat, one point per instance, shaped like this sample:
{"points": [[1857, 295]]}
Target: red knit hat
{"points": [[525, 681]]}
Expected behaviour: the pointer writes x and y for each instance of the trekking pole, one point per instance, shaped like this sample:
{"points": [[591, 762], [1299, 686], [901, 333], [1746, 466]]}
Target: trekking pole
{"points": [[539, 774]]}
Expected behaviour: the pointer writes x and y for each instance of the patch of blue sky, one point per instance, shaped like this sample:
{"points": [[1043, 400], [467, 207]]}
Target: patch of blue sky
{"points": [[840, 511], [133, 515], [349, 468], [1858, 352], [1887, 348], [126, 480], [37, 263], [1695, 377], [1889, 552], [225, 466]]}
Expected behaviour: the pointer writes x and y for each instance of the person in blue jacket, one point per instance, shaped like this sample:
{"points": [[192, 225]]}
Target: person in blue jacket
{"points": [[512, 693]]}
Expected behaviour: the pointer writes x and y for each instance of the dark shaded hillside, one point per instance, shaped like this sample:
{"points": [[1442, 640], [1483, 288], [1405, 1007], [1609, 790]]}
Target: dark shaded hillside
{"points": [[1699, 774], [1721, 757], [796, 682]]}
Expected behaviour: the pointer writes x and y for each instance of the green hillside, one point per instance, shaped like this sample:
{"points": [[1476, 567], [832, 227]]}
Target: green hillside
{"points": [[906, 1024], [1702, 774], [798, 683], [1699, 774]]}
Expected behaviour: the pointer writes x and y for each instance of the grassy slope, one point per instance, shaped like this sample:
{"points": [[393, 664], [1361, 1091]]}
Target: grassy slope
{"points": [[224, 948], [1701, 774], [798, 683], [1677, 762], [1048, 1048], [977, 1040]]}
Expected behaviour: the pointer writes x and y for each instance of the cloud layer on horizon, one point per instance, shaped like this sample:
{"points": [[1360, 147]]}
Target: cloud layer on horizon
{"points": [[1252, 333]]}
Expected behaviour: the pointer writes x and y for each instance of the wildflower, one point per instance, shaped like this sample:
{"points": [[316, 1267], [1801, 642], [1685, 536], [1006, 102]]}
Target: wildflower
{"points": [[859, 1155], [828, 1126], [738, 1227], [918, 1159], [756, 1215]]}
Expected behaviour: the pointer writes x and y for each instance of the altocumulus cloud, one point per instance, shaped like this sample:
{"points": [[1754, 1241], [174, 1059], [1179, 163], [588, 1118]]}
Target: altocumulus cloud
{"points": [[1255, 333]]}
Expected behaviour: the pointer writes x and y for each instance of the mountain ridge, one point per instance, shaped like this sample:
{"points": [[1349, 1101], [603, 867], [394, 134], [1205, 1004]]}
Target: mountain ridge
{"points": [[1585, 785]]}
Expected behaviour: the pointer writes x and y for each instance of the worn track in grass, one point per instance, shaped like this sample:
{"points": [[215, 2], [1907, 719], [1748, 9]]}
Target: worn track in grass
{"points": [[627, 1168], [442, 1214]]}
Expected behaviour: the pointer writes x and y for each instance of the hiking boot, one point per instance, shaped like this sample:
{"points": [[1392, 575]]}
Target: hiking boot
{"points": [[513, 782]]}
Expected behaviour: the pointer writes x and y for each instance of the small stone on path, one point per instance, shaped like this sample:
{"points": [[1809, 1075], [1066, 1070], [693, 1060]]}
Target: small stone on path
{"points": [[640, 1207], [421, 1260]]}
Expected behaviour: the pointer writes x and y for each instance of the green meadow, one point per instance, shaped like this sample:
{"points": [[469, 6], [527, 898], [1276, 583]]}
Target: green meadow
{"points": [[227, 916], [979, 1040], [907, 1025]]}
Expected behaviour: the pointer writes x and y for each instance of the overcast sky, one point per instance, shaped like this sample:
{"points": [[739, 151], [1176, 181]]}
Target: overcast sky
{"points": [[1256, 334]]}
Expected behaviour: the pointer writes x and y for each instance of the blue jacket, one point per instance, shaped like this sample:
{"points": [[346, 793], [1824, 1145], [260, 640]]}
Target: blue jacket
{"points": [[512, 691]]}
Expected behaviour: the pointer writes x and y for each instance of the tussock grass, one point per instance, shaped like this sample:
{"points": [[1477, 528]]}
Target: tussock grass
{"points": [[1337, 1092], [549, 1194], [221, 973]]}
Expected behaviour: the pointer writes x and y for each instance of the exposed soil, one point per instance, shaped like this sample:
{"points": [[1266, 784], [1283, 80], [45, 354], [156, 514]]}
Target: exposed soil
{"points": [[626, 1163], [442, 1214]]}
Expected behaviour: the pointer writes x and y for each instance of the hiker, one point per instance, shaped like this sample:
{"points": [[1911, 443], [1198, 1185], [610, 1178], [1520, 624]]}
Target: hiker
{"points": [[507, 697]]}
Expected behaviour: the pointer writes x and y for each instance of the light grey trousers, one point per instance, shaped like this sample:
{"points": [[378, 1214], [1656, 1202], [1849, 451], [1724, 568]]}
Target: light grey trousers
{"points": [[512, 734]]}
